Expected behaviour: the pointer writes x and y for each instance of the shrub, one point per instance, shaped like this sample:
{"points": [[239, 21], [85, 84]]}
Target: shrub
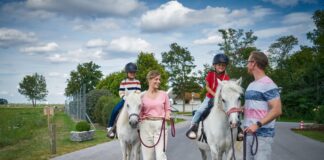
{"points": [[82, 126], [104, 108], [91, 100], [319, 115], [3, 101]]}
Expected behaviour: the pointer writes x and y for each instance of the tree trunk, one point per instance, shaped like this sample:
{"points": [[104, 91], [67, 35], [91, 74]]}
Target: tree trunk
{"points": [[183, 104]]}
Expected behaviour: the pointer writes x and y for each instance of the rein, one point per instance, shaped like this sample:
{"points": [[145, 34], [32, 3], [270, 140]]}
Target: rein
{"points": [[255, 139], [162, 129]]}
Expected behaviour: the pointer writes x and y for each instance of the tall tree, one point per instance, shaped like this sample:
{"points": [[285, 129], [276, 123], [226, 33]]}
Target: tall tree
{"points": [[147, 62], [234, 42], [87, 75], [33, 87], [112, 82], [179, 64], [280, 50]]}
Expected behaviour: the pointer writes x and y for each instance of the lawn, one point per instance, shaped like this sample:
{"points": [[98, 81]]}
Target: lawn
{"points": [[24, 134], [316, 135]]}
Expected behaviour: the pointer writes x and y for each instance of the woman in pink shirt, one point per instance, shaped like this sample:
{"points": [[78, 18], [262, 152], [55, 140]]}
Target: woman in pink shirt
{"points": [[154, 111]]}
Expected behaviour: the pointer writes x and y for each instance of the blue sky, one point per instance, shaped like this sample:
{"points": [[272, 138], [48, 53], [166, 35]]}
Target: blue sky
{"points": [[51, 37]]}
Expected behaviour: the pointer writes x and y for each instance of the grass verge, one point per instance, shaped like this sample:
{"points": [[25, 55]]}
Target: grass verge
{"points": [[24, 134], [316, 135]]}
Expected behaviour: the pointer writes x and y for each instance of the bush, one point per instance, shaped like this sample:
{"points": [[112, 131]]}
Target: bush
{"points": [[92, 98], [104, 108], [82, 126], [3, 101], [319, 115]]}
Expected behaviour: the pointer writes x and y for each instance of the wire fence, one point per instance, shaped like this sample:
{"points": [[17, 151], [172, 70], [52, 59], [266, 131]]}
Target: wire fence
{"points": [[75, 105]]}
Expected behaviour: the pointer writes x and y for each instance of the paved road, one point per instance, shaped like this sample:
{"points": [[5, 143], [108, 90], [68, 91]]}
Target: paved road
{"points": [[287, 146]]}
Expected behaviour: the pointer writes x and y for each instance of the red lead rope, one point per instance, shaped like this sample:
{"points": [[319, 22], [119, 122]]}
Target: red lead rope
{"points": [[162, 130]]}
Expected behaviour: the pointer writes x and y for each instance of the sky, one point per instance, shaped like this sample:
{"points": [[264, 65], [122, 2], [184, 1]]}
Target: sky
{"points": [[51, 37]]}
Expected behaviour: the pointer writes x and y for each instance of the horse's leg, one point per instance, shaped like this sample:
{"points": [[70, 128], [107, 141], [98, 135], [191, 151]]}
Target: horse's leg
{"points": [[123, 149], [229, 154], [128, 151], [215, 154], [136, 151], [203, 154]]}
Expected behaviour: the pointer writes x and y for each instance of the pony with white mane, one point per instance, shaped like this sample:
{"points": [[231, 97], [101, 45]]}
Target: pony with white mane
{"points": [[222, 121], [127, 125]]}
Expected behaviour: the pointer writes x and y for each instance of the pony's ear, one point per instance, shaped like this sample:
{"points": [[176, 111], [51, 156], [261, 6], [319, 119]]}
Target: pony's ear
{"points": [[126, 92], [219, 81], [239, 81]]}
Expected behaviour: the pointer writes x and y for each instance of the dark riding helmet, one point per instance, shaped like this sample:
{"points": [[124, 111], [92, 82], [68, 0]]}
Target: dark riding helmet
{"points": [[220, 58], [130, 67]]}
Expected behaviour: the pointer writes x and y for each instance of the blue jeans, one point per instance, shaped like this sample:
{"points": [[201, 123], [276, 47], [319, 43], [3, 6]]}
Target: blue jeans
{"points": [[115, 112], [203, 106]]}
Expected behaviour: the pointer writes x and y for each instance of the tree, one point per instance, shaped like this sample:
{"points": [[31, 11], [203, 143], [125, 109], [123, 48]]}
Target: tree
{"points": [[179, 64], [280, 50], [33, 87], [87, 75], [112, 82], [234, 42], [147, 62]]}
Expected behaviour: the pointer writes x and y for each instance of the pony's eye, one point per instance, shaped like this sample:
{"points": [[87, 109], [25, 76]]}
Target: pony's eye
{"points": [[223, 100], [127, 106]]}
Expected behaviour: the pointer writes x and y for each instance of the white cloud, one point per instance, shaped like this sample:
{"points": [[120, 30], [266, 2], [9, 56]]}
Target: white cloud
{"points": [[79, 55], [97, 25], [129, 45], [288, 3], [282, 31], [49, 47], [57, 74], [209, 40], [297, 18], [13, 37], [4, 93], [173, 15], [87, 8], [93, 43]]}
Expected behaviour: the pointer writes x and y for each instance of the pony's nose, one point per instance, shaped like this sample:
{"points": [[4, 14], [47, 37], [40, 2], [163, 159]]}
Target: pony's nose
{"points": [[133, 124], [233, 125]]}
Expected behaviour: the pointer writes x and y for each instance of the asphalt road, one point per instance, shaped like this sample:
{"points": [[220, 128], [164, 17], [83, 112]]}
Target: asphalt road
{"points": [[287, 146]]}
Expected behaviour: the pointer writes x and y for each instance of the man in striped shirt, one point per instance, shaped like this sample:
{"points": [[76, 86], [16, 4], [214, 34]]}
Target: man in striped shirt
{"points": [[131, 85], [262, 106]]}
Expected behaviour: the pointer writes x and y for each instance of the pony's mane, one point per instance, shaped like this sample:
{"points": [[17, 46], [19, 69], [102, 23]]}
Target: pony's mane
{"points": [[232, 85]]}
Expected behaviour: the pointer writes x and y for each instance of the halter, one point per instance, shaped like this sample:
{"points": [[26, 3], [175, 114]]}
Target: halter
{"points": [[133, 114]]}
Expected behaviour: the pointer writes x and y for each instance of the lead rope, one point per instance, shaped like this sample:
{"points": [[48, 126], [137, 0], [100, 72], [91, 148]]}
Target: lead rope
{"points": [[162, 128], [255, 139], [233, 148]]}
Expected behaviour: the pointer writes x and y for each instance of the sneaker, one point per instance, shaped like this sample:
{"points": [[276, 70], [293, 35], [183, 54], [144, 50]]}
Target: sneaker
{"points": [[192, 132], [110, 132]]}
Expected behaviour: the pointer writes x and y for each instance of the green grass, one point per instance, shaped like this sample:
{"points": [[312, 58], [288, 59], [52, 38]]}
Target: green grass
{"points": [[24, 134], [316, 135]]}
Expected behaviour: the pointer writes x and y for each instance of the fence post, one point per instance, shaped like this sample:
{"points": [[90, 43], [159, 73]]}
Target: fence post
{"points": [[53, 138]]}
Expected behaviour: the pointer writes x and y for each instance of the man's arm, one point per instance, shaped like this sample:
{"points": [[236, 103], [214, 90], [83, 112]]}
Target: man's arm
{"points": [[275, 111]]}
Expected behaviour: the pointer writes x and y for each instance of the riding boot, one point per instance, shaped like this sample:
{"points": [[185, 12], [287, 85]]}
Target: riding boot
{"points": [[192, 132], [111, 132]]}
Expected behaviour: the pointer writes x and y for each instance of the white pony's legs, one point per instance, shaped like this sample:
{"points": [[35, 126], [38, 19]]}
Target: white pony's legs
{"points": [[136, 151]]}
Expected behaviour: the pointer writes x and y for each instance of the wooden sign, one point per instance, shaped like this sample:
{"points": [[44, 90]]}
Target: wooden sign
{"points": [[48, 111]]}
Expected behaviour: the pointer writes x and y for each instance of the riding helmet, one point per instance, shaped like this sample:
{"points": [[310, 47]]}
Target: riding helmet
{"points": [[220, 58], [130, 67]]}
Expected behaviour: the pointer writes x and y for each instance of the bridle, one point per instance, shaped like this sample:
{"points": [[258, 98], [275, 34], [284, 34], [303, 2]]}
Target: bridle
{"points": [[133, 114]]}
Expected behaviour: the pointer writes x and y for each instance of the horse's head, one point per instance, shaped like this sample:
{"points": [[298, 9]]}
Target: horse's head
{"points": [[229, 94], [132, 104]]}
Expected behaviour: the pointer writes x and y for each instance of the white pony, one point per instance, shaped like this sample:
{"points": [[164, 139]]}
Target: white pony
{"points": [[127, 124], [222, 118]]}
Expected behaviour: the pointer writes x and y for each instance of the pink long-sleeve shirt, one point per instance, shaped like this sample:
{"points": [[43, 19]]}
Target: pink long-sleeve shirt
{"points": [[158, 107]]}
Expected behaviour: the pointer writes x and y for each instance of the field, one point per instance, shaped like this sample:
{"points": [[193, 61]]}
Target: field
{"points": [[24, 134]]}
